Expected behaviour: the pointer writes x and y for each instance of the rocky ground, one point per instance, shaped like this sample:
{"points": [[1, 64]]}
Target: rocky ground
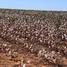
{"points": [[31, 38]]}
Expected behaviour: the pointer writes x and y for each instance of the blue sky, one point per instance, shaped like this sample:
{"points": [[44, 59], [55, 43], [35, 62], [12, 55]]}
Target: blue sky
{"points": [[35, 4]]}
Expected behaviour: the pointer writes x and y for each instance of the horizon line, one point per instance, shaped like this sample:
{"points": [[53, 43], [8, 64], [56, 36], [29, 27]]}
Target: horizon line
{"points": [[33, 9]]}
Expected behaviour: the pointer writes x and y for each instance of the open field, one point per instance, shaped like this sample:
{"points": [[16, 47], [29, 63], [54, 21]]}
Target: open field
{"points": [[31, 38]]}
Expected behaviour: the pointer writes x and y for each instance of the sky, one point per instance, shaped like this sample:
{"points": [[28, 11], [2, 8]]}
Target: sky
{"points": [[58, 5]]}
